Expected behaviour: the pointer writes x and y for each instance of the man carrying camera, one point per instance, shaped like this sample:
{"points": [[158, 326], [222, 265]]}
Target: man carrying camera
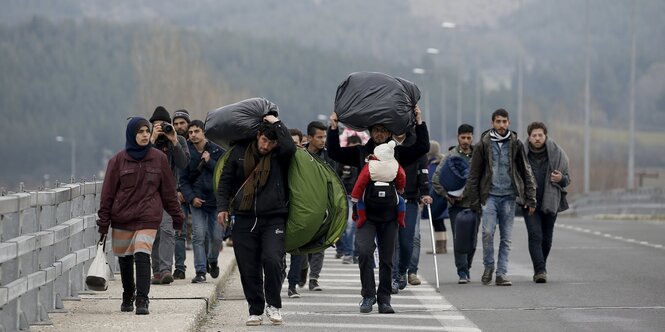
{"points": [[196, 183], [165, 139]]}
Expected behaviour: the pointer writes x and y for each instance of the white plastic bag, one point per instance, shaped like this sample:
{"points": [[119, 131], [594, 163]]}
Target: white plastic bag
{"points": [[99, 271]]}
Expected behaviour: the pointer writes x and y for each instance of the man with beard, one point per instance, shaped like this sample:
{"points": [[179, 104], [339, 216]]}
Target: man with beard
{"points": [[356, 156], [549, 164], [165, 139], [253, 187], [499, 177]]}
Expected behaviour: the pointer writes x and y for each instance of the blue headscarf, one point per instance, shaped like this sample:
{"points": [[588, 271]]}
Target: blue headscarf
{"points": [[133, 148]]}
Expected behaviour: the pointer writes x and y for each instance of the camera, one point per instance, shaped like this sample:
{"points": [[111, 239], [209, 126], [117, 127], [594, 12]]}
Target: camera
{"points": [[167, 127]]}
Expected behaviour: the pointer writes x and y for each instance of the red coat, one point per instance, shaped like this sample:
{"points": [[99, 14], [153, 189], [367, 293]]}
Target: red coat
{"points": [[136, 193], [364, 178]]}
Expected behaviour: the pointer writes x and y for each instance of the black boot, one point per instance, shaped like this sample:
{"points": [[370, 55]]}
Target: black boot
{"points": [[128, 287], [142, 282], [142, 306], [127, 302]]}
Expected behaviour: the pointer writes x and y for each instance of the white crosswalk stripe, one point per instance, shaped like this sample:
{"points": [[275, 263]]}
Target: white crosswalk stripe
{"points": [[337, 305]]}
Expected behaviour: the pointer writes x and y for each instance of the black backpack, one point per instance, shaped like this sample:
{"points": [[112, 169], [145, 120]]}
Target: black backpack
{"points": [[380, 200]]}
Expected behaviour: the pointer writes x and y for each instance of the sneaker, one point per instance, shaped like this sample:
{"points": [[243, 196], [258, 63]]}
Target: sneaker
{"points": [[314, 285], [339, 255], [503, 281], [394, 287], [179, 274], [413, 279], [487, 276], [167, 278], [214, 270], [200, 277], [402, 282], [366, 304], [254, 320], [293, 293], [463, 278], [540, 277], [355, 259], [303, 278], [229, 242], [347, 259], [274, 315], [386, 308], [142, 306], [156, 279]]}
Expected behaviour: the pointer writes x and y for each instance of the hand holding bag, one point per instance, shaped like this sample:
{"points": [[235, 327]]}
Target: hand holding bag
{"points": [[99, 271]]}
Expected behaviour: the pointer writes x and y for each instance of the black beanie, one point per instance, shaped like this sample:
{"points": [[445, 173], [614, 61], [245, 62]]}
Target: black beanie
{"points": [[182, 114], [160, 114]]}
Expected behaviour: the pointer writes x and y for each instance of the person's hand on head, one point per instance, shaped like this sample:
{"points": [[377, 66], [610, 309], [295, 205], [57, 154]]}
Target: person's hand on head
{"points": [[270, 118], [333, 121], [418, 113]]}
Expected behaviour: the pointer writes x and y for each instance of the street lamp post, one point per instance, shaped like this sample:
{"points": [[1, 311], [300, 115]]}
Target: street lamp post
{"points": [[631, 123], [421, 71], [73, 154]]}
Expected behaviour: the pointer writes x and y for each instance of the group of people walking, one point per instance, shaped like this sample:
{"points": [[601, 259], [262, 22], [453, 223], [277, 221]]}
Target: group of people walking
{"points": [[148, 191]]}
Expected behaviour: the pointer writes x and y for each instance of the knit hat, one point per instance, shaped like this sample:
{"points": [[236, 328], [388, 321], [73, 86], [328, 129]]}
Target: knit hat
{"points": [[386, 151], [160, 114], [182, 114]]}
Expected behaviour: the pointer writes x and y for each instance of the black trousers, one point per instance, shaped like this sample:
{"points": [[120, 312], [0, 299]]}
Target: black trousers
{"points": [[142, 285], [386, 237], [540, 229], [258, 244]]}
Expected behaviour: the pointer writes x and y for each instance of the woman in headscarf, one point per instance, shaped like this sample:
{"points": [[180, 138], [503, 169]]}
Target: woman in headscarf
{"points": [[138, 186]]}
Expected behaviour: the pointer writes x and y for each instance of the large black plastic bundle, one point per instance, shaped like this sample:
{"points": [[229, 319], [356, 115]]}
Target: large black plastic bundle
{"points": [[365, 99], [236, 122]]}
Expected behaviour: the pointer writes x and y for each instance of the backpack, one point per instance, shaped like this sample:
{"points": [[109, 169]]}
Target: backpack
{"points": [[380, 200]]}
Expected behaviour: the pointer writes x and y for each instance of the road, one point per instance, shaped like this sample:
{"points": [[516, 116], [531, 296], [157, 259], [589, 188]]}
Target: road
{"points": [[604, 275]]}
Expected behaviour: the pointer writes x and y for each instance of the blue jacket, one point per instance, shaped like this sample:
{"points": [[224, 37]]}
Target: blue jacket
{"points": [[198, 182]]}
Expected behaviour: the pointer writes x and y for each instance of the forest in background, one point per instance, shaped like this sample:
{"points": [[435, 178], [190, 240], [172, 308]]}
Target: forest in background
{"points": [[80, 68]]}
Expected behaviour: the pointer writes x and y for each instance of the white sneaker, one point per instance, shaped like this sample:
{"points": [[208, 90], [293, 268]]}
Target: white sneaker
{"points": [[254, 320], [274, 315]]}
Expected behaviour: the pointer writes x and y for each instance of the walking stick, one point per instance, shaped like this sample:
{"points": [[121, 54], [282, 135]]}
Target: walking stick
{"points": [[431, 228]]}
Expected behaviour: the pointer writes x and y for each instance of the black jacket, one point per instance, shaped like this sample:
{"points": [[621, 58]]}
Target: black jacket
{"points": [[197, 182], [271, 199], [355, 155], [417, 181]]}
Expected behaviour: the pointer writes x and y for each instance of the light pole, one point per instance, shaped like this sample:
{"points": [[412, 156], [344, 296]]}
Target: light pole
{"points": [[421, 71], [587, 100], [631, 123], [73, 161], [450, 26]]}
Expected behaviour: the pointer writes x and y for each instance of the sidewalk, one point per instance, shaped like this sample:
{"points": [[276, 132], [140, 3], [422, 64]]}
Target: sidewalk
{"points": [[180, 306]]}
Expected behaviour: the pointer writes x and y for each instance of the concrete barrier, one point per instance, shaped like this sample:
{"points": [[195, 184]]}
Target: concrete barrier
{"points": [[642, 201], [47, 242]]}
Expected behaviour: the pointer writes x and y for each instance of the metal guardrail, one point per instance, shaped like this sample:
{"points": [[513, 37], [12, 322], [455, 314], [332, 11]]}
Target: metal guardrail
{"points": [[47, 242], [642, 201]]}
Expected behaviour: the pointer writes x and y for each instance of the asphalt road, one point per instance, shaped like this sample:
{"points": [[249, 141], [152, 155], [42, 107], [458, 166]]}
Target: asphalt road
{"points": [[603, 275]]}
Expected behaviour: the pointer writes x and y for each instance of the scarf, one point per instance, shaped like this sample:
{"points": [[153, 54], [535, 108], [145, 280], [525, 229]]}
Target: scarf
{"points": [[538, 154], [257, 169], [133, 149], [495, 137]]}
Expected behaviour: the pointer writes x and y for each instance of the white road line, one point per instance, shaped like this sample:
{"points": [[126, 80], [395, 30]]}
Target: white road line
{"points": [[395, 305], [356, 296], [398, 315], [357, 288], [387, 327], [616, 237]]}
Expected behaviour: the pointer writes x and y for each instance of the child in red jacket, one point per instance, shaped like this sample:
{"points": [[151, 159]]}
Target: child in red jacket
{"points": [[381, 167]]}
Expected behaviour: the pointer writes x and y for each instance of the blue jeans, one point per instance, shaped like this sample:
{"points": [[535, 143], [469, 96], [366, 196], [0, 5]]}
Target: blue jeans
{"points": [[404, 247], [180, 241], [415, 257], [204, 221], [498, 210], [346, 244], [540, 227]]}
